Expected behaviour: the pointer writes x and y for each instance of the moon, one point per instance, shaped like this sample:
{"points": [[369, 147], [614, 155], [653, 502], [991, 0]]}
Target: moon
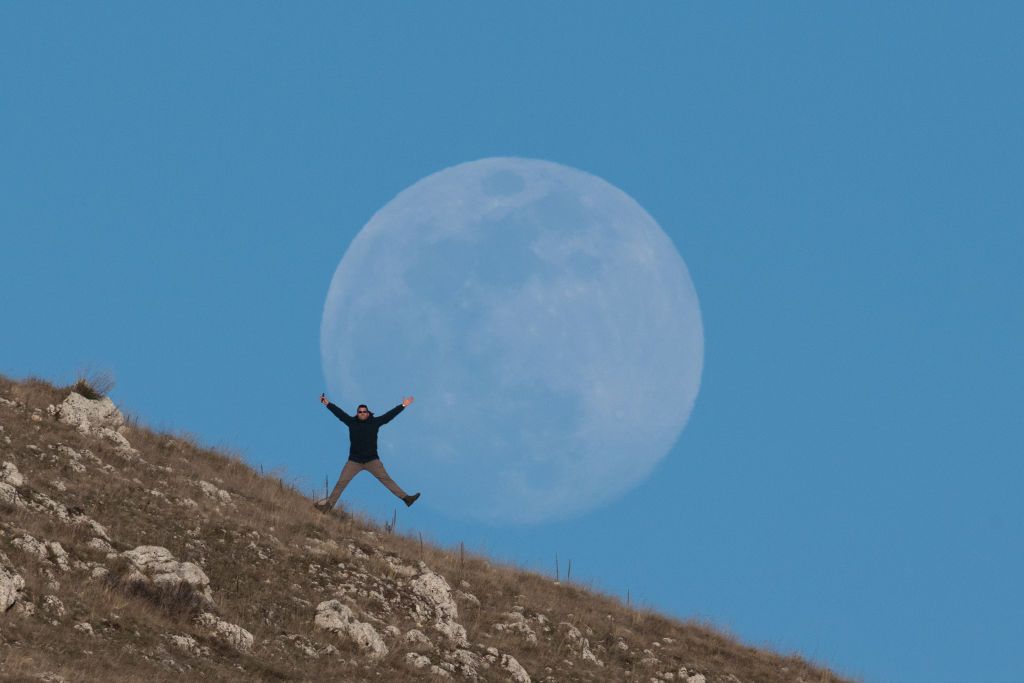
{"points": [[546, 325]]}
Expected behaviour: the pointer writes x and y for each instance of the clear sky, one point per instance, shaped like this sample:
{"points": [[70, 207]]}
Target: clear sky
{"points": [[178, 183]]}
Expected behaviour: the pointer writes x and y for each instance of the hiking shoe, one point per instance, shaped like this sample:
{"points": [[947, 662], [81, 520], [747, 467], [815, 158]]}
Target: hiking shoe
{"points": [[322, 506], [409, 500]]}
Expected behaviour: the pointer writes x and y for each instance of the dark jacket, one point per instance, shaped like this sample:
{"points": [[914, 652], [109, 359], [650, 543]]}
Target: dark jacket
{"points": [[362, 434]]}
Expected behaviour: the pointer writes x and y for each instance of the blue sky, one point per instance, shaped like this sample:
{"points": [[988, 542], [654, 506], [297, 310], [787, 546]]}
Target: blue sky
{"points": [[178, 184]]}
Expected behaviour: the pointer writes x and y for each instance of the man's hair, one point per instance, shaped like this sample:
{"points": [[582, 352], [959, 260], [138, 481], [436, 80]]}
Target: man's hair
{"points": [[363, 405]]}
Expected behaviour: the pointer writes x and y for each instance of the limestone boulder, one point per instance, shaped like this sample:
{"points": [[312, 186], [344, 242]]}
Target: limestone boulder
{"points": [[11, 587], [338, 618], [156, 564], [578, 643], [10, 475], [88, 415], [231, 634], [434, 599], [515, 669]]}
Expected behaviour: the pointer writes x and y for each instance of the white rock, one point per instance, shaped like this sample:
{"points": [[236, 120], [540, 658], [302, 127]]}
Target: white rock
{"points": [[436, 596], [53, 607], [212, 491], [121, 444], [80, 412], [158, 565], [232, 634], [399, 568], [334, 616], [72, 458], [466, 662], [97, 528], [467, 597], [416, 639], [418, 661], [100, 545], [434, 590], [435, 670], [519, 674], [9, 474], [29, 545], [188, 645], [578, 643], [452, 630], [11, 586], [85, 627], [696, 678], [58, 555]]}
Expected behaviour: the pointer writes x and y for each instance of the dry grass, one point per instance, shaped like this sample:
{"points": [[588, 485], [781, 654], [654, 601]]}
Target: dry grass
{"points": [[271, 559]]}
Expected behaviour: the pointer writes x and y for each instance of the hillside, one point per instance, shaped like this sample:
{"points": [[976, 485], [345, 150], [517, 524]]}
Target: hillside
{"points": [[132, 555]]}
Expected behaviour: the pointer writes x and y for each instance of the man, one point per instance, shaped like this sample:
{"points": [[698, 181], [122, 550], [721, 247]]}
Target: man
{"points": [[362, 452]]}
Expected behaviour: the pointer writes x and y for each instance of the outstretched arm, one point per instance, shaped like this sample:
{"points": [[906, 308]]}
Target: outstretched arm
{"points": [[390, 415], [338, 412]]}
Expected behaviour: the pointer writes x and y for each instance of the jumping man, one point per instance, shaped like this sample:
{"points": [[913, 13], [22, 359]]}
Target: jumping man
{"points": [[362, 453]]}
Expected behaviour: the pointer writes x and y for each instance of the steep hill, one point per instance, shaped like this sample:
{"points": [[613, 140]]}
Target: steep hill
{"points": [[132, 555]]}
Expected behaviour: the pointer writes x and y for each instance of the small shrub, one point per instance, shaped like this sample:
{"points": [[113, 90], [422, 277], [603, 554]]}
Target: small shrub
{"points": [[93, 385]]}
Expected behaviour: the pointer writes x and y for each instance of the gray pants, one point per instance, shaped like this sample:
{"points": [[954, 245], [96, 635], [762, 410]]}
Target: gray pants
{"points": [[352, 468]]}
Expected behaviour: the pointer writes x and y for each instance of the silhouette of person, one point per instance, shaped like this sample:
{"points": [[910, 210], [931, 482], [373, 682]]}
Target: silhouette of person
{"points": [[362, 452]]}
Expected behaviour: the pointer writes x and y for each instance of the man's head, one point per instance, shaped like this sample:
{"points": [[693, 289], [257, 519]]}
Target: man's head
{"points": [[363, 413]]}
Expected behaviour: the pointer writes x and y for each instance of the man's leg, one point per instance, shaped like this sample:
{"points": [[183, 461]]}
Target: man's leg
{"points": [[350, 470], [376, 468]]}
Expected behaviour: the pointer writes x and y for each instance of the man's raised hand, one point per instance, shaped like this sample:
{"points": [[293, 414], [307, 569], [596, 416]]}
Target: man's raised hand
{"points": [[406, 401], [323, 399]]}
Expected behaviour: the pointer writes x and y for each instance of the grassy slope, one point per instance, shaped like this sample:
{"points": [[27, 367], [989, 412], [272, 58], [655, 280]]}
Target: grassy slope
{"points": [[271, 559]]}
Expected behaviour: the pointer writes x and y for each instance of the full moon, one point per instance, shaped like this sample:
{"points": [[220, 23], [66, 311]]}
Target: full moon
{"points": [[546, 325]]}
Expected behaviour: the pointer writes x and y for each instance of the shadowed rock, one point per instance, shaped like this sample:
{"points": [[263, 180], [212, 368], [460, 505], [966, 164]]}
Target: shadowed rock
{"points": [[338, 618], [156, 564]]}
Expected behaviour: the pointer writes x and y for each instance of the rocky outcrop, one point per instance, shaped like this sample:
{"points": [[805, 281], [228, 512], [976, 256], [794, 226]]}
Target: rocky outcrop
{"points": [[435, 600], [88, 415], [226, 632], [338, 618], [515, 669], [515, 622], [578, 643], [188, 645], [11, 479], [212, 491], [157, 565], [415, 639], [11, 587]]}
